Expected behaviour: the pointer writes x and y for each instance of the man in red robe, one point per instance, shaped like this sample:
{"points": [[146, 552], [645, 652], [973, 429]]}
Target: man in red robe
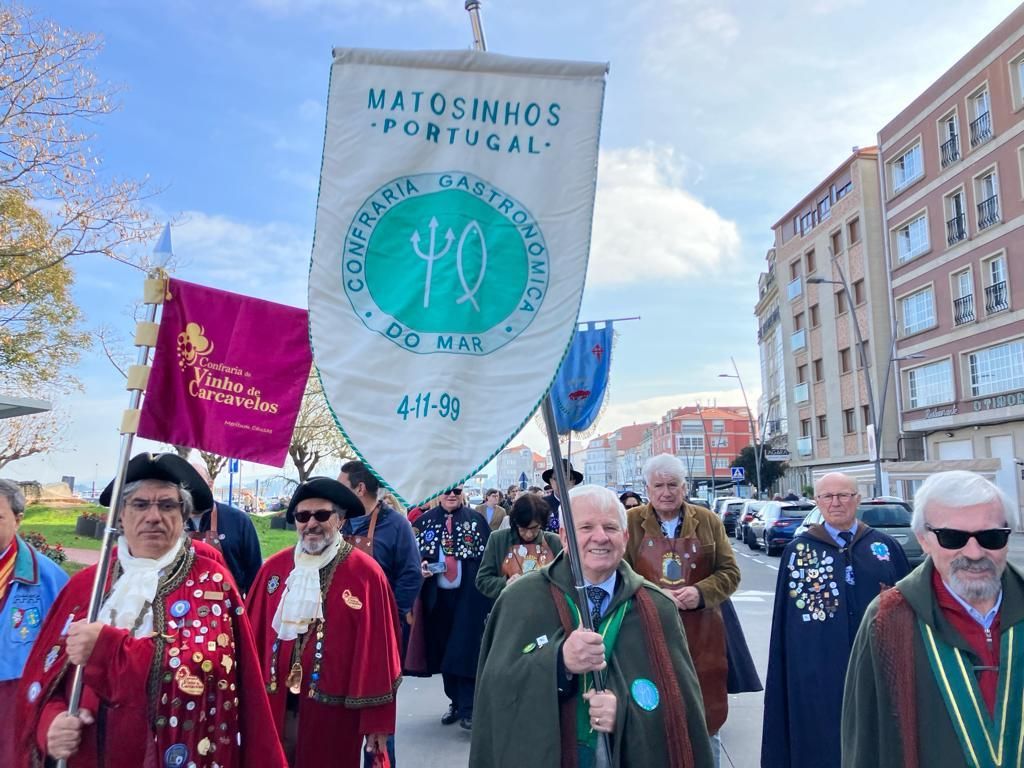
{"points": [[327, 626], [171, 672]]}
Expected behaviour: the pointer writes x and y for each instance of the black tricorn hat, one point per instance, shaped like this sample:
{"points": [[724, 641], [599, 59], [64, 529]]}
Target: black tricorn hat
{"points": [[577, 477], [329, 489], [165, 466]]}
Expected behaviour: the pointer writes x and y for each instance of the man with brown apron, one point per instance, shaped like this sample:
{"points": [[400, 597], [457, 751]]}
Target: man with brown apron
{"points": [[683, 548]]}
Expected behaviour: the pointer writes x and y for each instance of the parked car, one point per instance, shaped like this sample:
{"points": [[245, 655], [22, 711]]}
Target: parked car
{"points": [[777, 524], [889, 515], [748, 512], [731, 514], [699, 502], [720, 503]]}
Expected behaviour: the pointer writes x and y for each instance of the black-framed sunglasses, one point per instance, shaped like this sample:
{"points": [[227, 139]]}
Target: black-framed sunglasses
{"points": [[321, 515], [951, 538], [453, 492]]}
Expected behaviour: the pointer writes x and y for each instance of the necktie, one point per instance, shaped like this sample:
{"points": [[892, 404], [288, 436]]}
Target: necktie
{"points": [[451, 565], [847, 537], [596, 596]]}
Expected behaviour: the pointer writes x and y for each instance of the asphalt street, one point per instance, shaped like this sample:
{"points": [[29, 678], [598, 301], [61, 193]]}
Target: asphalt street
{"points": [[422, 742]]}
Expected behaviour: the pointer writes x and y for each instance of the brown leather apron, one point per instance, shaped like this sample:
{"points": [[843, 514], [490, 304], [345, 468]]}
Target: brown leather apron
{"points": [[365, 543], [675, 563], [211, 536], [523, 558]]}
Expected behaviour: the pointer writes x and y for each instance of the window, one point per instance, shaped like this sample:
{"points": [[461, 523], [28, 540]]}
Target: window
{"points": [[815, 319], [794, 269], [986, 192], [819, 370], [837, 241], [840, 302], [719, 442], [806, 223], [858, 292], [1017, 76], [823, 426], [949, 139], [865, 414], [805, 427], [997, 294], [981, 118], [853, 230], [912, 238], [809, 262], [801, 374], [691, 442], [798, 321], [866, 349], [721, 463], [844, 190], [963, 297], [930, 384], [718, 425], [849, 421], [918, 311], [844, 360], [997, 369], [956, 217], [907, 168], [824, 208]]}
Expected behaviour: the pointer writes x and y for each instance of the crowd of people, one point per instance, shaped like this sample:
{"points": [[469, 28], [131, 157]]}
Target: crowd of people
{"points": [[204, 654]]}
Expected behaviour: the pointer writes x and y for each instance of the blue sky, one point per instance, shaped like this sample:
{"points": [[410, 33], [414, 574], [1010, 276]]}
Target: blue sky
{"points": [[719, 115]]}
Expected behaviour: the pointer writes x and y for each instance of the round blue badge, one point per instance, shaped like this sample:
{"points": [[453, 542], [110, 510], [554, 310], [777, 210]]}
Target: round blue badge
{"points": [[180, 608], [645, 694], [175, 756], [33, 692], [428, 536]]}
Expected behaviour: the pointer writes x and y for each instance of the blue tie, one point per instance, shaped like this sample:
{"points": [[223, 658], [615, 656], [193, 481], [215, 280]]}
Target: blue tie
{"points": [[596, 596]]}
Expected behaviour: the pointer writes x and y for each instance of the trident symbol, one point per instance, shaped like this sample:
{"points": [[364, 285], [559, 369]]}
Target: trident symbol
{"points": [[431, 255]]}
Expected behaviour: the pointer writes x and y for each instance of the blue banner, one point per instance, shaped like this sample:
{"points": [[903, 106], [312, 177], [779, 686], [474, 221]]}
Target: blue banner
{"points": [[582, 381]]}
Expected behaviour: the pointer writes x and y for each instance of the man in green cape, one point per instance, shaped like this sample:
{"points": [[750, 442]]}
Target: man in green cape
{"points": [[936, 674], [536, 703]]}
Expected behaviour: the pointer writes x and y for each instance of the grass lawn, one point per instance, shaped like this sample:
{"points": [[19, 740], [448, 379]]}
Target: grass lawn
{"points": [[58, 526]]}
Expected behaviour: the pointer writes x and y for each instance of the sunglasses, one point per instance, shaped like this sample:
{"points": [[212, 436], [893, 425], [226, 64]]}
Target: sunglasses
{"points": [[951, 538], [453, 492], [321, 515]]}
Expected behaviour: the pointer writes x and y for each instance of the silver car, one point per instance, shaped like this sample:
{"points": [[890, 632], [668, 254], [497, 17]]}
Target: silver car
{"points": [[889, 515]]}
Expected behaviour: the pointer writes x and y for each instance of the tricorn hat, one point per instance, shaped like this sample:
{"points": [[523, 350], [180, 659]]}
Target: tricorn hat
{"points": [[169, 467], [329, 489], [576, 477]]}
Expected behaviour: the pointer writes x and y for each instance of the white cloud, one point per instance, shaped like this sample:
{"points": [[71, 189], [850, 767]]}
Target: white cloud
{"points": [[646, 226]]}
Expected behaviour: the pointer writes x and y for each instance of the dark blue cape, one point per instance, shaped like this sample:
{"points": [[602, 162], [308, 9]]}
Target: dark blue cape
{"points": [[816, 617]]}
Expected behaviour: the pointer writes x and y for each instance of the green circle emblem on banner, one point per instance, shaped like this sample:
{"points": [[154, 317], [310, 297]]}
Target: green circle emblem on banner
{"points": [[445, 262]]}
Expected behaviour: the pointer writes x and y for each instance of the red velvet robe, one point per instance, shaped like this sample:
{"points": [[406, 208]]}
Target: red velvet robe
{"points": [[349, 692], [184, 692]]}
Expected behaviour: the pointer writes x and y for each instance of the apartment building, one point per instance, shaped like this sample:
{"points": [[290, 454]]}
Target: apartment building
{"points": [[615, 459], [771, 346], [835, 326], [706, 440], [518, 461], [952, 165]]}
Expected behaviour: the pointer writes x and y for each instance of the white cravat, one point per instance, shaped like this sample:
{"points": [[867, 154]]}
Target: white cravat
{"points": [[134, 592], [302, 604]]}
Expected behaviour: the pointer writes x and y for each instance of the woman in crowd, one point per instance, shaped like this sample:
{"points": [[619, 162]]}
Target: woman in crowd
{"points": [[523, 547]]}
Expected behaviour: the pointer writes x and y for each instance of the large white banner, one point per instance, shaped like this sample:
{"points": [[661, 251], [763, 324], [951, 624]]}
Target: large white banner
{"points": [[452, 235]]}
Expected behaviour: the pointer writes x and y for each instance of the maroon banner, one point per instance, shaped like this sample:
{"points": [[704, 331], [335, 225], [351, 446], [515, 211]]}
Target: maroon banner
{"points": [[228, 374]]}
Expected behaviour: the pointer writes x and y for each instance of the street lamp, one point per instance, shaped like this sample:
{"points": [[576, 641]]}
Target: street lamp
{"points": [[876, 415], [758, 445]]}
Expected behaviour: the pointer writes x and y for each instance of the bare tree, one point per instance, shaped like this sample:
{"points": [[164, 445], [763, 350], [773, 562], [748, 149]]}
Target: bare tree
{"points": [[25, 436], [316, 434], [214, 463]]}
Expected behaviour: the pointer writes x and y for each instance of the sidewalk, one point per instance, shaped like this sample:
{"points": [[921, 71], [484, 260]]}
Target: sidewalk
{"points": [[83, 556]]}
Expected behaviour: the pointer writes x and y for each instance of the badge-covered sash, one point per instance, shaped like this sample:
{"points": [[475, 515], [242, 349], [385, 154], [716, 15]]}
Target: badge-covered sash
{"points": [[987, 741]]}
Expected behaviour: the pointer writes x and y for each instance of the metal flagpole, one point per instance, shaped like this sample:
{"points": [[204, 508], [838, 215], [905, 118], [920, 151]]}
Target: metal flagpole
{"points": [[572, 549], [138, 375]]}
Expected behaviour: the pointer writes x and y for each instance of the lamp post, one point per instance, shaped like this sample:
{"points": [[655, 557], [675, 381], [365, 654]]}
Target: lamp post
{"points": [[758, 445], [876, 414]]}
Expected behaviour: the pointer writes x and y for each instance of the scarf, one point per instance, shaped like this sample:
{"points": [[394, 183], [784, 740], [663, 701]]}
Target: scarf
{"points": [[130, 603], [302, 602]]}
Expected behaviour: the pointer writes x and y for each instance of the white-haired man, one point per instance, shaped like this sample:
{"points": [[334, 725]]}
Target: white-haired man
{"points": [[684, 549], [935, 676], [535, 699]]}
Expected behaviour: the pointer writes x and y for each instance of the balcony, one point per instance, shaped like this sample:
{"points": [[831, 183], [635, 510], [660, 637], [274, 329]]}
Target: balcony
{"points": [[963, 309], [798, 340], [981, 129], [804, 446], [795, 288], [956, 229], [950, 151], [997, 298], [801, 393], [988, 212]]}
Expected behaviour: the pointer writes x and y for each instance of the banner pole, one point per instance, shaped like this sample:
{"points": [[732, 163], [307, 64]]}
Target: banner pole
{"points": [[473, 8], [145, 339]]}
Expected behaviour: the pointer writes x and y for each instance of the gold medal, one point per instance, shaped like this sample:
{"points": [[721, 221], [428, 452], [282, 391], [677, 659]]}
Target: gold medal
{"points": [[294, 681]]}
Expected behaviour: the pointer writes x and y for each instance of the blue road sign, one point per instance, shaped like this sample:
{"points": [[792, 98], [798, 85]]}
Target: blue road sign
{"points": [[522, 481], [738, 474]]}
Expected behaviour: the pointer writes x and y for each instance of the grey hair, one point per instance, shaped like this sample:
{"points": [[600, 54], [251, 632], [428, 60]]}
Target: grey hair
{"points": [[11, 491], [958, 488], [188, 506], [604, 499], [664, 464]]}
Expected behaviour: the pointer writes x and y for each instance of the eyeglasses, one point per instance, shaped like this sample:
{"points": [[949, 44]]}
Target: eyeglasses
{"points": [[321, 515], [453, 492], [631, 504], [843, 496], [166, 506], [951, 538]]}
